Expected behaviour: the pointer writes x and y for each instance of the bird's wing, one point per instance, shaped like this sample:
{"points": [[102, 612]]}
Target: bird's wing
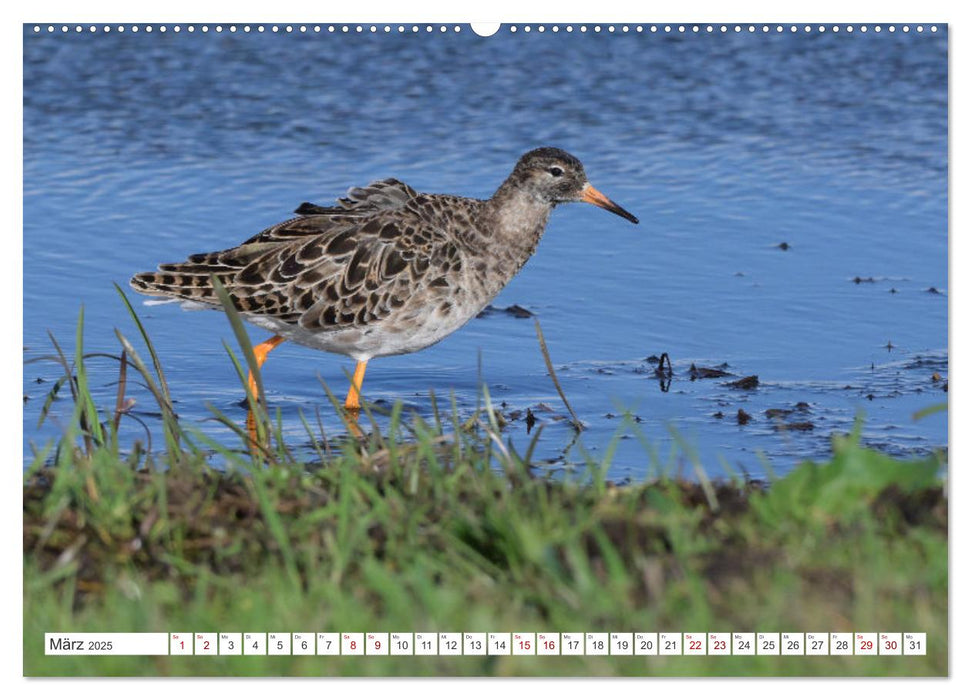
{"points": [[378, 196], [323, 272]]}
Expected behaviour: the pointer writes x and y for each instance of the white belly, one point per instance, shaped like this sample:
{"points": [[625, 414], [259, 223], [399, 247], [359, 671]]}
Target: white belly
{"points": [[410, 330]]}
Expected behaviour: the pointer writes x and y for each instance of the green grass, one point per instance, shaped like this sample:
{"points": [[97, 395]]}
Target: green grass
{"points": [[440, 526]]}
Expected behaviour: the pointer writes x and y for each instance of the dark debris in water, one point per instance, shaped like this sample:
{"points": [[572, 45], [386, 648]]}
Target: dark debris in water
{"points": [[664, 368], [743, 417], [774, 413], [746, 383], [936, 378], [861, 280], [798, 426], [695, 372], [516, 311], [783, 246]]}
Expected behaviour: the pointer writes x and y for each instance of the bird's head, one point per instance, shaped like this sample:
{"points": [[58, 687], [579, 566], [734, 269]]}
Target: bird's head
{"points": [[556, 176]]}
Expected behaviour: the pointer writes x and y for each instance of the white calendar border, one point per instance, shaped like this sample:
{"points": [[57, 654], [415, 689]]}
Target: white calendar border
{"points": [[11, 645]]}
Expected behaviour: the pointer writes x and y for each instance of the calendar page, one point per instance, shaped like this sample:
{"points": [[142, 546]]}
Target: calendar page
{"points": [[402, 349]]}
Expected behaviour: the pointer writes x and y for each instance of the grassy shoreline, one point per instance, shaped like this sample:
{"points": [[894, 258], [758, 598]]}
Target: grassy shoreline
{"points": [[442, 526], [442, 542]]}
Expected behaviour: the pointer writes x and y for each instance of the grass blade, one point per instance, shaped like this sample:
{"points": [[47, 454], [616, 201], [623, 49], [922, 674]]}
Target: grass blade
{"points": [[556, 382]]}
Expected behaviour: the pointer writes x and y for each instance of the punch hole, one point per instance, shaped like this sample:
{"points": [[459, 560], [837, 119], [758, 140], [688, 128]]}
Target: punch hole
{"points": [[485, 28]]}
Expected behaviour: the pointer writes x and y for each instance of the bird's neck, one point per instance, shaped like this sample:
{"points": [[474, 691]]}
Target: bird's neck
{"points": [[516, 219]]}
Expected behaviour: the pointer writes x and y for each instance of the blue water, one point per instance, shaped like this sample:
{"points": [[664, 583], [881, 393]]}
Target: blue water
{"points": [[145, 148]]}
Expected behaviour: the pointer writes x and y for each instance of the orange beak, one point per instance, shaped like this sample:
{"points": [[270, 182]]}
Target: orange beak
{"points": [[592, 195]]}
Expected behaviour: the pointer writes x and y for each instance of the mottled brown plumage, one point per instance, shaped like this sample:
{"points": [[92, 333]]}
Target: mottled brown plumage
{"points": [[388, 270]]}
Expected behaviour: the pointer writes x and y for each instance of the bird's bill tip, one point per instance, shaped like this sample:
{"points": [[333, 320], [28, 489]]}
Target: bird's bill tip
{"points": [[592, 195]]}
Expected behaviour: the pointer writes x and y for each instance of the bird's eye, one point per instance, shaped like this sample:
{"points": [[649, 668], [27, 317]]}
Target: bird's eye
{"points": [[555, 171]]}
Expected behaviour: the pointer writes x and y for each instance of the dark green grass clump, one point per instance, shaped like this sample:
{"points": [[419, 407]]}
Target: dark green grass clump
{"points": [[442, 526]]}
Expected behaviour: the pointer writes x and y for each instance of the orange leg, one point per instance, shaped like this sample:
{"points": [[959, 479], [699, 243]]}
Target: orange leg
{"points": [[260, 351], [353, 400]]}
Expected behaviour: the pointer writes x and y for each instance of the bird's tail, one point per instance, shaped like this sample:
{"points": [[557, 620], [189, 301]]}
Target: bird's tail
{"points": [[191, 280]]}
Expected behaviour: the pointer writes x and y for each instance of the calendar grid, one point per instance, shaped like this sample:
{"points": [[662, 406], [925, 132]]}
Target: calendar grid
{"points": [[487, 644]]}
